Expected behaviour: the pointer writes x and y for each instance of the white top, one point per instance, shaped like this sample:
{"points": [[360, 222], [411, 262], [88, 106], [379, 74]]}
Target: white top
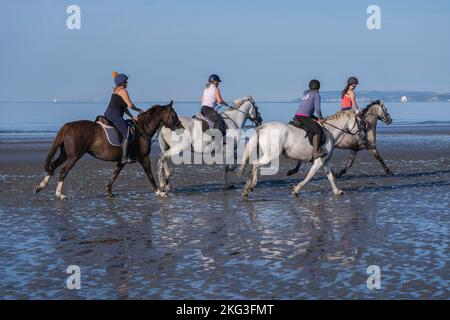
{"points": [[209, 97]]}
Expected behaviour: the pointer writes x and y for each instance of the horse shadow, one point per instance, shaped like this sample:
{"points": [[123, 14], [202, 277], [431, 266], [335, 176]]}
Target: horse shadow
{"points": [[271, 183]]}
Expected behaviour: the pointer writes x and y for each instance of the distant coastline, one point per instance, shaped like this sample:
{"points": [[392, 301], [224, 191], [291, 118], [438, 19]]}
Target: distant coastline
{"points": [[387, 96], [331, 96]]}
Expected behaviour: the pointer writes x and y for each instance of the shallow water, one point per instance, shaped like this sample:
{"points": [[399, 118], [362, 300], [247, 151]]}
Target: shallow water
{"points": [[204, 241]]}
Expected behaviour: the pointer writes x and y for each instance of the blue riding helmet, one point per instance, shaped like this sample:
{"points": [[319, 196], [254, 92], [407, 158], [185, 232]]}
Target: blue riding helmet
{"points": [[120, 78], [214, 77]]}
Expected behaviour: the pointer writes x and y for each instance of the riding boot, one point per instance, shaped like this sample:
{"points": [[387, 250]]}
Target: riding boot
{"points": [[125, 157], [317, 151]]}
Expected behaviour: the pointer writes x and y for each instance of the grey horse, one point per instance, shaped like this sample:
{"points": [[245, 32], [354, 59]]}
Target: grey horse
{"points": [[375, 111], [274, 139]]}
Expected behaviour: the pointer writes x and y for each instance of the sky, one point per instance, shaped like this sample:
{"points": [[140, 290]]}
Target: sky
{"points": [[268, 49]]}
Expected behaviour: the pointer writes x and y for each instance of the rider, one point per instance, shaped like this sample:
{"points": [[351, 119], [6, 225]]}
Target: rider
{"points": [[211, 97], [348, 95], [309, 104], [118, 105], [349, 99]]}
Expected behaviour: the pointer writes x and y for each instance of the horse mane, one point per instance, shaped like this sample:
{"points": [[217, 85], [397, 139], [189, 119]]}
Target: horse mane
{"points": [[153, 110], [370, 105], [337, 115], [238, 103], [151, 113]]}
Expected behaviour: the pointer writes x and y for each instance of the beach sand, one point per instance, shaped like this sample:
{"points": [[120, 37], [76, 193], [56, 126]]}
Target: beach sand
{"points": [[204, 241]]}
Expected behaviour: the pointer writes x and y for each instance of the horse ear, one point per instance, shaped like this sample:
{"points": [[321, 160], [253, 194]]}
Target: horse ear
{"points": [[171, 103]]}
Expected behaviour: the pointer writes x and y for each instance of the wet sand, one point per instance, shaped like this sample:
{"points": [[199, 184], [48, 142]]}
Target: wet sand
{"points": [[204, 241]]}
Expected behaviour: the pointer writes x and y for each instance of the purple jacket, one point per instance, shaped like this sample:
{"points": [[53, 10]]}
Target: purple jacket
{"points": [[310, 104]]}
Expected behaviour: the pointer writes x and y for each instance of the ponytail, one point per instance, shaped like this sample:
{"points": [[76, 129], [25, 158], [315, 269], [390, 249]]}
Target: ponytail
{"points": [[344, 92]]}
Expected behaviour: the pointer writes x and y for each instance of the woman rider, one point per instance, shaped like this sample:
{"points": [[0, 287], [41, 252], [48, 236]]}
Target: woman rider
{"points": [[118, 105], [211, 97], [349, 98], [310, 104]]}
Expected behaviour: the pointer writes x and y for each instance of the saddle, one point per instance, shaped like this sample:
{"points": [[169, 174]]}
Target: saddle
{"points": [[208, 123], [112, 134], [308, 133]]}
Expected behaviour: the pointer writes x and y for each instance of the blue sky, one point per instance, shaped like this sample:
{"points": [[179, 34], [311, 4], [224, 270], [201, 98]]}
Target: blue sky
{"points": [[269, 49]]}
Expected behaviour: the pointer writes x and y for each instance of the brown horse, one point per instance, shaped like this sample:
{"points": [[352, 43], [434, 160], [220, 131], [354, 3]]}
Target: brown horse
{"points": [[75, 139]]}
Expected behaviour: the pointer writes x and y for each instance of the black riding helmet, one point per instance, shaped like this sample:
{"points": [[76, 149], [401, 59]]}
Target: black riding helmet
{"points": [[214, 77], [352, 80], [314, 84]]}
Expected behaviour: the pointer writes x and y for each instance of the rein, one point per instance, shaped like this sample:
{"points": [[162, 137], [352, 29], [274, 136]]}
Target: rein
{"points": [[237, 109], [344, 130]]}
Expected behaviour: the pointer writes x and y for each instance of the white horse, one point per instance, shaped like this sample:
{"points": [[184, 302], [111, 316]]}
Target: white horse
{"points": [[276, 138], [235, 118]]}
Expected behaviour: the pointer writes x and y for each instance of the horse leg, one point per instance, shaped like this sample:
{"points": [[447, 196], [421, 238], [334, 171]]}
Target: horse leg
{"points": [[64, 171], [230, 168], [167, 174], [318, 163], [55, 164], [251, 182], [146, 165], [253, 178], [163, 165], [294, 170], [377, 156], [225, 174], [352, 158], [163, 181], [116, 172], [330, 177]]}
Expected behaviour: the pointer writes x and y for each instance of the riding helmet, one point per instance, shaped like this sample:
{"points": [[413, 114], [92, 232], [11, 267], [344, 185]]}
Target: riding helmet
{"points": [[352, 80], [214, 77], [119, 78], [314, 84]]}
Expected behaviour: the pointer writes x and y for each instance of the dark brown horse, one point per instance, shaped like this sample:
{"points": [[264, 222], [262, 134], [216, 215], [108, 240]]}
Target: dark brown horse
{"points": [[77, 138]]}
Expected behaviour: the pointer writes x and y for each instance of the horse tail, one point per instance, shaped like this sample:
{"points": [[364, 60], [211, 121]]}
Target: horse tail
{"points": [[57, 142], [251, 145]]}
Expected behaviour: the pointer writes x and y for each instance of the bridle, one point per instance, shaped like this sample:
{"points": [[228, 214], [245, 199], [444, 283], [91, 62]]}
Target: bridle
{"points": [[386, 117], [142, 132], [254, 120]]}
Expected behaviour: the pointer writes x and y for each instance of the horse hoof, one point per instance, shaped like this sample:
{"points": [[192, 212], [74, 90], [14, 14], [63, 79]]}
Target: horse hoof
{"points": [[339, 192], [295, 194], [162, 194], [36, 189], [110, 194], [168, 188], [60, 197]]}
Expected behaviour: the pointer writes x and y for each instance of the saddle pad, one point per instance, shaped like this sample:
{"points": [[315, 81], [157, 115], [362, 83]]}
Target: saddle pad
{"points": [[308, 134], [201, 117], [113, 136]]}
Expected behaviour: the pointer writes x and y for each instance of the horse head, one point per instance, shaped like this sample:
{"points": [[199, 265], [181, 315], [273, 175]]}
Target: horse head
{"points": [[383, 114], [162, 114], [170, 117], [254, 115], [378, 109]]}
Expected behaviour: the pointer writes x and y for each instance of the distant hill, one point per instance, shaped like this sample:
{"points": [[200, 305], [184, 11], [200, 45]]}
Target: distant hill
{"points": [[388, 96]]}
